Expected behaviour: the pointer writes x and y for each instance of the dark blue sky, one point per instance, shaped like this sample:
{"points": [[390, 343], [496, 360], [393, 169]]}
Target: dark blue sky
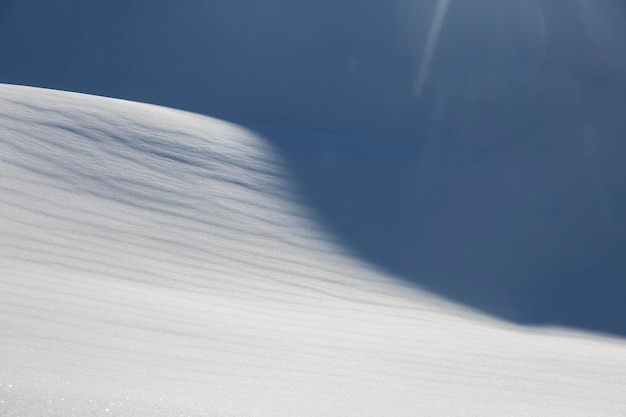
{"points": [[513, 195], [333, 65]]}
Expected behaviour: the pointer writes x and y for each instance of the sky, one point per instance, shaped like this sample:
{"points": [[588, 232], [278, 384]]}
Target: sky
{"points": [[348, 66], [510, 114]]}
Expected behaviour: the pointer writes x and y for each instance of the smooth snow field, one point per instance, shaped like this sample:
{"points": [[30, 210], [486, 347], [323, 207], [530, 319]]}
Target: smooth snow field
{"points": [[159, 263]]}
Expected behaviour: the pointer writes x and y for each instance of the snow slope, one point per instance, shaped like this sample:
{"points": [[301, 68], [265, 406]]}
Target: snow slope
{"points": [[161, 263]]}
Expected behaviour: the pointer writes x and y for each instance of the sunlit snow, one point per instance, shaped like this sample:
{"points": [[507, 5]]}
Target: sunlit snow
{"points": [[160, 263]]}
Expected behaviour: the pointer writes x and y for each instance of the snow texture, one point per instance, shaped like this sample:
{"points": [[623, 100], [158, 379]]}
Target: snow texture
{"points": [[160, 263]]}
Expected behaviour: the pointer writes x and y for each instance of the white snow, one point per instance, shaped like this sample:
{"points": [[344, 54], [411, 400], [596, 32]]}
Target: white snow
{"points": [[160, 263]]}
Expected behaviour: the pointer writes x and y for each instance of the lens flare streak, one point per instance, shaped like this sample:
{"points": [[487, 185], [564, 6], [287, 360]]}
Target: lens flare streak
{"points": [[431, 43]]}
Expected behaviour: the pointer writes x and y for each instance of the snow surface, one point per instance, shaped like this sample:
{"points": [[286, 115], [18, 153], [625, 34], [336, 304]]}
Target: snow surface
{"points": [[160, 263]]}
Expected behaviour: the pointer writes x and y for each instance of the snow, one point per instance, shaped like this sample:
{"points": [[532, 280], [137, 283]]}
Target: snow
{"points": [[162, 263]]}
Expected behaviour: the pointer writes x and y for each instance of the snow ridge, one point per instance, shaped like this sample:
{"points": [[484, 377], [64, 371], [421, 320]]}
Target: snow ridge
{"points": [[161, 263]]}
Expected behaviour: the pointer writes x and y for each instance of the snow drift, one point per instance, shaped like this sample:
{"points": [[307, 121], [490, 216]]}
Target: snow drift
{"points": [[161, 263]]}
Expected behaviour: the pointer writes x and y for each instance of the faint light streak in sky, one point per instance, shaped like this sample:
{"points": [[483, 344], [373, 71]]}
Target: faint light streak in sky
{"points": [[605, 27], [431, 43]]}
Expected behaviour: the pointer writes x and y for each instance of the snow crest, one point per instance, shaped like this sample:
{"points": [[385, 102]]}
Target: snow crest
{"points": [[160, 263]]}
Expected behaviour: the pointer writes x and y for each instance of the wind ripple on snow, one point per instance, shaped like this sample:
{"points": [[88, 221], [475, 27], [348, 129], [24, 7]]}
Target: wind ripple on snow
{"points": [[159, 263]]}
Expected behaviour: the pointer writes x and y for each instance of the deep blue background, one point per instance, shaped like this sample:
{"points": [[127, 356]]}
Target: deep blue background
{"points": [[332, 65], [502, 186]]}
